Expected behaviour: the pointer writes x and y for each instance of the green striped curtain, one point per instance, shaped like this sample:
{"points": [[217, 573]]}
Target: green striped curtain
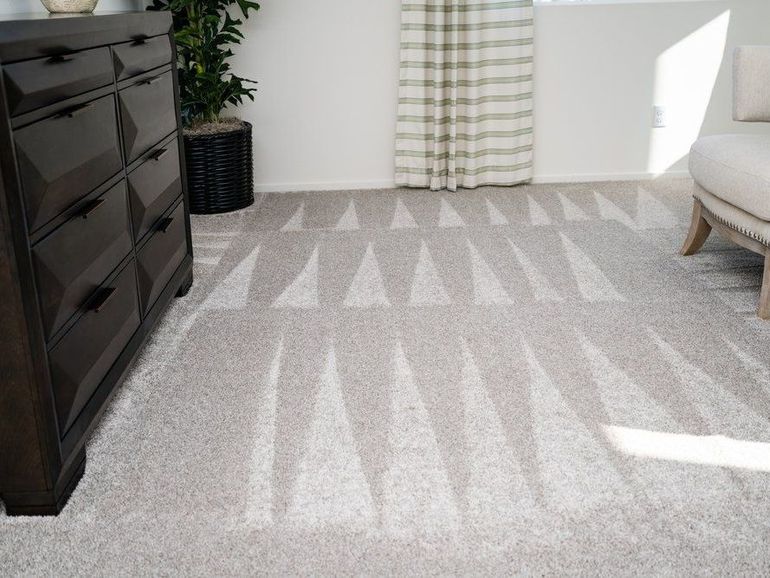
{"points": [[465, 94]]}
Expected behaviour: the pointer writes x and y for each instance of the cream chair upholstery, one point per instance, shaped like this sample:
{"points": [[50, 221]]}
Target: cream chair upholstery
{"points": [[732, 172]]}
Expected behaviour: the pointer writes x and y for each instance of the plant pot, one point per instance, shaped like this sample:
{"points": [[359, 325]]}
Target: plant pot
{"points": [[220, 175], [56, 6]]}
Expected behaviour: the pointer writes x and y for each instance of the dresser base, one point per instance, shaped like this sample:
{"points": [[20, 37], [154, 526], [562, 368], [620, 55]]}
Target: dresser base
{"points": [[184, 288], [48, 503]]}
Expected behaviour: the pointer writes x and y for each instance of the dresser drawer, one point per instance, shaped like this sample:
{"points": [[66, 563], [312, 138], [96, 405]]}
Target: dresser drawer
{"points": [[153, 187], [85, 354], [148, 114], [36, 83], [64, 157], [132, 58], [74, 260], [161, 255]]}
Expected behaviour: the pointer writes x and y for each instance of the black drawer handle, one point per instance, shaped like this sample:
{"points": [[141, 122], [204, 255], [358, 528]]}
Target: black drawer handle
{"points": [[103, 297], [77, 111], [153, 80], [159, 154], [91, 207], [60, 58], [139, 40], [164, 224]]}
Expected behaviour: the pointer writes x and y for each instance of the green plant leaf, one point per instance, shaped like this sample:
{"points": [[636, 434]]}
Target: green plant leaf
{"points": [[204, 31]]}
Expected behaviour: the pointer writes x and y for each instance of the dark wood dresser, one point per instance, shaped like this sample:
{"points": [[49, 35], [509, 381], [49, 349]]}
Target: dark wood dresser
{"points": [[94, 231]]}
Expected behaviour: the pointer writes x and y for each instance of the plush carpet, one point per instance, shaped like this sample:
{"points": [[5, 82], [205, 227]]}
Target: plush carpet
{"points": [[525, 380]]}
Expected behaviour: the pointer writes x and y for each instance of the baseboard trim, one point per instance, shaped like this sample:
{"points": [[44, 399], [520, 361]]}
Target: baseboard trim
{"points": [[323, 186], [604, 177], [390, 184]]}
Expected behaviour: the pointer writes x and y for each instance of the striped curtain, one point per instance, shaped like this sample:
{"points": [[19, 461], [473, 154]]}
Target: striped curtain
{"points": [[465, 94]]}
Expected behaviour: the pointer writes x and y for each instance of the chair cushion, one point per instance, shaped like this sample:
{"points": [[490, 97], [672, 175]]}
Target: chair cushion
{"points": [[736, 169], [734, 217]]}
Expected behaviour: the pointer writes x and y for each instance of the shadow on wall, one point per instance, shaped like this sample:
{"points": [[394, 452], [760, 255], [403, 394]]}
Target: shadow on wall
{"points": [[594, 103]]}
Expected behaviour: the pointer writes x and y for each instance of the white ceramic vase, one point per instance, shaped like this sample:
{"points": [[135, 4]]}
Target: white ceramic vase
{"points": [[55, 6]]}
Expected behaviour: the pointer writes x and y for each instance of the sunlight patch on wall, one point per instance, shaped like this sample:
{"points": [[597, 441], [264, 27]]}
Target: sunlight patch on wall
{"points": [[706, 450], [685, 75]]}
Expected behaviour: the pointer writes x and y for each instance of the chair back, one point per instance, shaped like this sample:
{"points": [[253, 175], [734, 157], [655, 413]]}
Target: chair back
{"points": [[751, 84]]}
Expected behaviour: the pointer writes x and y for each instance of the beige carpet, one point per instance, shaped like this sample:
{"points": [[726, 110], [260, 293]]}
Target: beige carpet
{"points": [[522, 380]]}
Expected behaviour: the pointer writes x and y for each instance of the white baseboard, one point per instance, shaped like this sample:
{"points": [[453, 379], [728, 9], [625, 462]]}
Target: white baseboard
{"points": [[324, 186], [603, 177], [389, 183]]}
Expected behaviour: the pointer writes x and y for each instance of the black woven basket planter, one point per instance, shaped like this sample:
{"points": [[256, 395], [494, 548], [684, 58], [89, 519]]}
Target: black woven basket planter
{"points": [[220, 176]]}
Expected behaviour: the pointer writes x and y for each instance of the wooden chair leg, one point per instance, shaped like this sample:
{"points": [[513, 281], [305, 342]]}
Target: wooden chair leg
{"points": [[764, 296], [699, 230]]}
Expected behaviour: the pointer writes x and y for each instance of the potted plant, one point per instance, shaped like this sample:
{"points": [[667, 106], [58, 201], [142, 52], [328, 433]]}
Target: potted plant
{"points": [[218, 149]]}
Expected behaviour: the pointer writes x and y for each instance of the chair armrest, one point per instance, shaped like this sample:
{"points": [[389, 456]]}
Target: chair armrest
{"points": [[751, 84]]}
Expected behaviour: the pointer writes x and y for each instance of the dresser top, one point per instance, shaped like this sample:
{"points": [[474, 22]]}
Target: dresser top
{"points": [[39, 34]]}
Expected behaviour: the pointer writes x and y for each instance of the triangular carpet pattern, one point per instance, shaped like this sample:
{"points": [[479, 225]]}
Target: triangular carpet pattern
{"points": [[402, 218], [296, 220], [592, 282], [538, 282], [259, 505], [504, 381], [417, 496], [487, 288], [497, 491], [302, 293], [537, 214], [331, 488], [562, 438], [652, 213], [496, 217], [367, 289], [611, 212], [427, 287], [630, 406], [349, 219], [448, 217], [572, 212], [233, 291]]}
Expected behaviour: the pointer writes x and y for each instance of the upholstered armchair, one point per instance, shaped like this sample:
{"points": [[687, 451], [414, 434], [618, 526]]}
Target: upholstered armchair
{"points": [[732, 172]]}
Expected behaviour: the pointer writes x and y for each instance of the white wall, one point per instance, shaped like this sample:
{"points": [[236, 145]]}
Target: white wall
{"points": [[17, 6], [599, 70], [325, 113]]}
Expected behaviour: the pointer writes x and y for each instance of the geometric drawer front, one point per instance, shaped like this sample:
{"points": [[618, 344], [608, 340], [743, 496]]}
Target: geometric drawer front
{"points": [[135, 57], [64, 157], [148, 114], [153, 187], [85, 354], [161, 255], [74, 260], [36, 83]]}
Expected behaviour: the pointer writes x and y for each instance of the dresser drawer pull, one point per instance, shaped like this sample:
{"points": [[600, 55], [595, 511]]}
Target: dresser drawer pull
{"points": [[91, 207], [60, 58], [159, 154], [138, 40], [102, 299], [153, 80], [78, 110], [164, 224]]}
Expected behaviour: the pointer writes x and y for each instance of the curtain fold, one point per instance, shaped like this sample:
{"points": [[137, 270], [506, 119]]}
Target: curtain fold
{"points": [[465, 94]]}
